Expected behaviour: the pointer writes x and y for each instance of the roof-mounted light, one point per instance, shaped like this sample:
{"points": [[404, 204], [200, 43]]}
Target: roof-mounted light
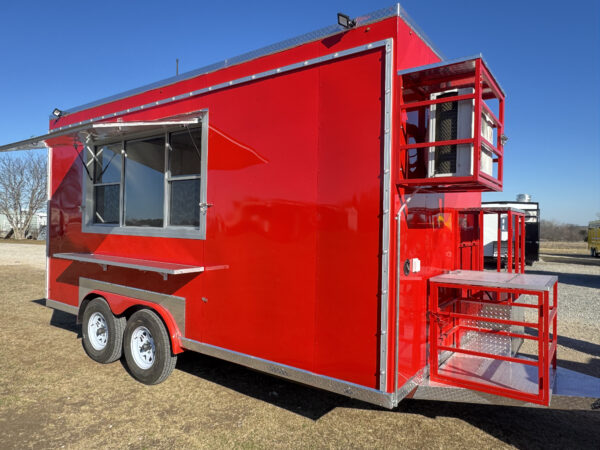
{"points": [[345, 21]]}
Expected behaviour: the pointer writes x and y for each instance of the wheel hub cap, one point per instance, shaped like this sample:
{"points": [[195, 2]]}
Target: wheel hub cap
{"points": [[98, 331], [142, 347]]}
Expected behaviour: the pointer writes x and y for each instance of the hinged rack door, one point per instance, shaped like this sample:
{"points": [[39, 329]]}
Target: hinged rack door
{"points": [[473, 323]]}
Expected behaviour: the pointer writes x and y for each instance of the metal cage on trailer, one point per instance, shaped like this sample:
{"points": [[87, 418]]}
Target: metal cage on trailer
{"points": [[254, 211], [497, 231]]}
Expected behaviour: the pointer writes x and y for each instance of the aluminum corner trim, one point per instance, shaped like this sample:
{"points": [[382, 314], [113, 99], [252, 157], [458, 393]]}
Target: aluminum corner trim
{"points": [[386, 214]]}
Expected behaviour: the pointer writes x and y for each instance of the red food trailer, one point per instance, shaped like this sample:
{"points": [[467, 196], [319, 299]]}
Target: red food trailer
{"points": [[312, 210]]}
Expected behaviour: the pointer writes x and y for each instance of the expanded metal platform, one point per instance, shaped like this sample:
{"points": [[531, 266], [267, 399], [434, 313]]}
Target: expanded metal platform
{"points": [[570, 390]]}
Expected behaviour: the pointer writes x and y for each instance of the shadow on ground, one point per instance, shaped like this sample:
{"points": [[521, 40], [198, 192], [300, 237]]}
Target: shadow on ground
{"points": [[509, 424], [520, 427], [574, 279], [570, 258], [589, 348]]}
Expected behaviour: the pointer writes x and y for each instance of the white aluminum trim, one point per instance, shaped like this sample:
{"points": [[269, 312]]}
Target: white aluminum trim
{"points": [[48, 221], [385, 217], [324, 382], [145, 124], [227, 84]]}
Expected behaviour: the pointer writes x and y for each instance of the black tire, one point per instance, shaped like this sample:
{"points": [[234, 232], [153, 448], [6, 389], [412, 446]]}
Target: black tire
{"points": [[144, 327], [96, 311]]}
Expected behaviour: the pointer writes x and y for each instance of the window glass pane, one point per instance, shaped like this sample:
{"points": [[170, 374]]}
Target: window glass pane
{"points": [[107, 165], [185, 152], [144, 182], [106, 204], [185, 199]]}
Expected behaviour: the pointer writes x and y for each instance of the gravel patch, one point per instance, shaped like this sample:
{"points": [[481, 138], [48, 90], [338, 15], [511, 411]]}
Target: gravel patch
{"points": [[578, 314]]}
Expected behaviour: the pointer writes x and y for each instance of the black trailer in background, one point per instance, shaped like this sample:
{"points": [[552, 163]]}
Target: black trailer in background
{"points": [[532, 230]]}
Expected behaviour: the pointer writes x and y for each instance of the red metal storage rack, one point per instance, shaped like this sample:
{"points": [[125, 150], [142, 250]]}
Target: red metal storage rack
{"points": [[418, 89], [472, 329]]}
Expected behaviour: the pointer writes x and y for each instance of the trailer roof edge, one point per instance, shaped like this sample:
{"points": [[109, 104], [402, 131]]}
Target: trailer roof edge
{"points": [[393, 11]]}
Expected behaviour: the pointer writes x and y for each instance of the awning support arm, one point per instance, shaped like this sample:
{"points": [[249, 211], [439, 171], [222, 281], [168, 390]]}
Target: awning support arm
{"points": [[83, 163]]}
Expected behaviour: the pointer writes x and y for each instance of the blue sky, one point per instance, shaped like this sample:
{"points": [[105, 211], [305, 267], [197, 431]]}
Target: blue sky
{"points": [[545, 54]]}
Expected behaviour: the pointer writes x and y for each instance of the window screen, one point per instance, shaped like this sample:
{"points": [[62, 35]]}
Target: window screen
{"points": [[184, 181], [107, 163], [144, 182]]}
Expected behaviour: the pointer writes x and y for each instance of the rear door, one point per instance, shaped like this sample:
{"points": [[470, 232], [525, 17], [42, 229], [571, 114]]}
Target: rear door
{"points": [[469, 235]]}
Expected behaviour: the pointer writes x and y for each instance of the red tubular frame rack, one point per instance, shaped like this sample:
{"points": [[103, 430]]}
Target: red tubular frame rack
{"points": [[516, 238], [447, 327], [416, 87]]}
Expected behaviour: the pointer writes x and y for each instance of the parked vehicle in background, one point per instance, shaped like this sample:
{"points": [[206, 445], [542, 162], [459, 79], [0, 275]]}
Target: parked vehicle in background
{"points": [[532, 230], [593, 238]]}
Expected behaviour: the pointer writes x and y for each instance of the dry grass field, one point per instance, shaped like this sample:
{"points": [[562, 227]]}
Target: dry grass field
{"points": [[567, 252], [561, 247], [53, 396]]}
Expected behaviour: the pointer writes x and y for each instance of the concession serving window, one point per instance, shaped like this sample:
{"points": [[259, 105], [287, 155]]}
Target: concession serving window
{"points": [[146, 178]]}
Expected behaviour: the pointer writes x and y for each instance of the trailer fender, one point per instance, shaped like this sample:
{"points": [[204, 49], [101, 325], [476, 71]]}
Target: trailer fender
{"points": [[122, 305]]}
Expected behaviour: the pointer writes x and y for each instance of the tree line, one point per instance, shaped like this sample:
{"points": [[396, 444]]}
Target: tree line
{"points": [[551, 230], [22, 189]]}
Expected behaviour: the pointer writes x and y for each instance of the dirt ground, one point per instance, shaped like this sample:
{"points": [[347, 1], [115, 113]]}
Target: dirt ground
{"points": [[53, 396]]}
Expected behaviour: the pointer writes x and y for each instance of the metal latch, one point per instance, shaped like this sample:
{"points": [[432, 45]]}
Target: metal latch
{"points": [[204, 207]]}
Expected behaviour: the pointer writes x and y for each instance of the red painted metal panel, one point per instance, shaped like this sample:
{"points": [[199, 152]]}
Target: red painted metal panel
{"points": [[349, 217], [262, 224]]}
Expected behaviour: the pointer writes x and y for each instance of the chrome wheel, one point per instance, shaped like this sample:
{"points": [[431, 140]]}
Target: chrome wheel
{"points": [[143, 349]]}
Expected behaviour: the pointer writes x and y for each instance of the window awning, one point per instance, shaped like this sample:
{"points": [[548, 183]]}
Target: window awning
{"points": [[103, 130]]}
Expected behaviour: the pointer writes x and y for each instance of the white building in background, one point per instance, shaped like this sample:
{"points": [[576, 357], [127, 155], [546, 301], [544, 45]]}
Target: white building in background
{"points": [[39, 220]]}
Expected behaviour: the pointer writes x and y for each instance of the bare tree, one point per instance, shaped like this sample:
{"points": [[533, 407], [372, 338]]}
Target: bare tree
{"points": [[22, 189], [551, 230]]}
